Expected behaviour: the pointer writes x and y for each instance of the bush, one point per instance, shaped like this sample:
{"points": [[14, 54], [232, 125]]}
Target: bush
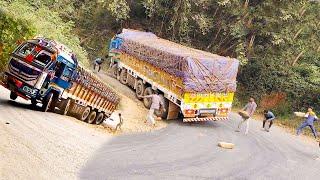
{"points": [[43, 22], [12, 30]]}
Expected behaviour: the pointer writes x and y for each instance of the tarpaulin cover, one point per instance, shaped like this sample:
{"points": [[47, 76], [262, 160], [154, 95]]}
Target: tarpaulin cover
{"points": [[200, 71]]}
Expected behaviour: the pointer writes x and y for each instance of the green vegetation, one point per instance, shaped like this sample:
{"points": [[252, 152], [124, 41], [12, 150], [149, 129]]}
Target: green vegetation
{"points": [[277, 42], [24, 20]]}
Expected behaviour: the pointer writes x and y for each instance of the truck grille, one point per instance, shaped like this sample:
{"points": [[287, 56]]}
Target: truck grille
{"points": [[23, 71]]}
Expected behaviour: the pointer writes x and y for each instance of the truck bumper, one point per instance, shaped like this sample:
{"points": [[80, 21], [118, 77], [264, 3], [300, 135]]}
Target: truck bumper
{"points": [[11, 84], [204, 119]]}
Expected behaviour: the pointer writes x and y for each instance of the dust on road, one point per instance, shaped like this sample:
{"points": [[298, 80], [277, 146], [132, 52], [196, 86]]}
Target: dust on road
{"points": [[40, 145]]}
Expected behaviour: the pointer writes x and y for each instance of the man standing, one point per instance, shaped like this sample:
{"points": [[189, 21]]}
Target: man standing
{"points": [[250, 108], [97, 62], [310, 118], [155, 105], [269, 116]]}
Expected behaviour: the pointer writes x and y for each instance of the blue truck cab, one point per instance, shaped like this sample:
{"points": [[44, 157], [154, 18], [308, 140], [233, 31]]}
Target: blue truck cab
{"points": [[40, 70]]}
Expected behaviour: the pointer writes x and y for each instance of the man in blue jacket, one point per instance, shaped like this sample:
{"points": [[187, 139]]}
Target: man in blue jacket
{"points": [[269, 116], [310, 118]]}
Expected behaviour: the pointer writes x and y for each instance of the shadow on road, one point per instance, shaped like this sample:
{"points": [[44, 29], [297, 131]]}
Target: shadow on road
{"points": [[145, 154], [22, 105]]}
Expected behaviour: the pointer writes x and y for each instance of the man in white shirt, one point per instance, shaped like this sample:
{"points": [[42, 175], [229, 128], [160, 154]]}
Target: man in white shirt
{"points": [[155, 105], [250, 108]]}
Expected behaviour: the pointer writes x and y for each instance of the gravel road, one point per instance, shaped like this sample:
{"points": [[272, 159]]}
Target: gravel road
{"points": [[37, 145], [183, 151]]}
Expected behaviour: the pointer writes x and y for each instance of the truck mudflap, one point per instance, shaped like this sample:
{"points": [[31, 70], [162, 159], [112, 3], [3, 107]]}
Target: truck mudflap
{"points": [[205, 119]]}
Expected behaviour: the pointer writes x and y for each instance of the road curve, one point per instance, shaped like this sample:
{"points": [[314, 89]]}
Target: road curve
{"points": [[190, 151]]}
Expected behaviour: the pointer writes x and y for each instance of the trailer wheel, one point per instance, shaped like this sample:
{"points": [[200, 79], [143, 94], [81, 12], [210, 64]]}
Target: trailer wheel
{"points": [[123, 76], [13, 96], [160, 112], [99, 118], [82, 116], [140, 89], [64, 108], [147, 101], [47, 101], [92, 117]]}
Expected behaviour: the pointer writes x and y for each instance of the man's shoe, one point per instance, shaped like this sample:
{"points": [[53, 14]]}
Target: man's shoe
{"points": [[237, 130]]}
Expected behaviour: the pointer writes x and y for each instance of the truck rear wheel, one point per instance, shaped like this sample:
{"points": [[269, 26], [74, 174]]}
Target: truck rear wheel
{"points": [[99, 118], [47, 101], [160, 112], [123, 76], [64, 108], [92, 117], [147, 101], [140, 89], [13, 96], [82, 116]]}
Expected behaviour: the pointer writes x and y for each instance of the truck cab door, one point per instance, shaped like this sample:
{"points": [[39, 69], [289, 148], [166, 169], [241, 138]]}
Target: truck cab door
{"points": [[63, 75]]}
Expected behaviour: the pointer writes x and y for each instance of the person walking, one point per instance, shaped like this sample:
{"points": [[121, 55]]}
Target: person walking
{"points": [[310, 118], [249, 108], [269, 117], [156, 103], [97, 63]]}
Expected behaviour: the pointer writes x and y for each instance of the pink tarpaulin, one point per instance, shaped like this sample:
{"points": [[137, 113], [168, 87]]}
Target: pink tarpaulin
{"points": [[200, 71]]}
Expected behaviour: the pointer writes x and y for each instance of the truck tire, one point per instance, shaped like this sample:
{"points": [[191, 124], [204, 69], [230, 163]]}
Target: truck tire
{"points": [[47, 101], [13, 96], [65, 105], [92, 117], [160, 112], [99, 118], [34, 102], [71, 107], [147, 101], [123, 76], [82, 116], [114, 71], [140, 89]]}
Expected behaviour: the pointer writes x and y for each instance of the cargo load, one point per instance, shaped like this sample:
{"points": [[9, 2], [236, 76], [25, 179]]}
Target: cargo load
{"points": [[200, 71]]}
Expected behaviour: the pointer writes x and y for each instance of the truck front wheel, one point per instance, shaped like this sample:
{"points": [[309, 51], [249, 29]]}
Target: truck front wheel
{"points": [[13, 96], [46, 102], [65, 106], [123, 76]]}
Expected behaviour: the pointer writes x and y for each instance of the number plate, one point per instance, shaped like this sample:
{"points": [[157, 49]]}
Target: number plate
{"points": [[27, 89], [207, 111]]}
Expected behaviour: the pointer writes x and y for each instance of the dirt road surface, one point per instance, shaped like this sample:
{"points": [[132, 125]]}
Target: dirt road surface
{"points": [[37, 145]]}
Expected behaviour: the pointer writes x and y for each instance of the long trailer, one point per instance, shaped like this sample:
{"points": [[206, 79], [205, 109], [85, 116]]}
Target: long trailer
{"points": [[198, 85], [45, 71]]}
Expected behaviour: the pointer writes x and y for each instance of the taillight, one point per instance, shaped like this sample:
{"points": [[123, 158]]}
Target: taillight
{"points": [[189, 111], [223, 110]]}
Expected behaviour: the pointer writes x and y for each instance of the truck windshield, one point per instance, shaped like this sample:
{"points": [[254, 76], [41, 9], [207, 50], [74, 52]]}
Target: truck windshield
{"points": [[40, 58]]}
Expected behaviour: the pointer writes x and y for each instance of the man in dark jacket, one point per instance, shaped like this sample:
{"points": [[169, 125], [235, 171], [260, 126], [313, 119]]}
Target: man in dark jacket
{"points": [[97, 62], [269, 116]]}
